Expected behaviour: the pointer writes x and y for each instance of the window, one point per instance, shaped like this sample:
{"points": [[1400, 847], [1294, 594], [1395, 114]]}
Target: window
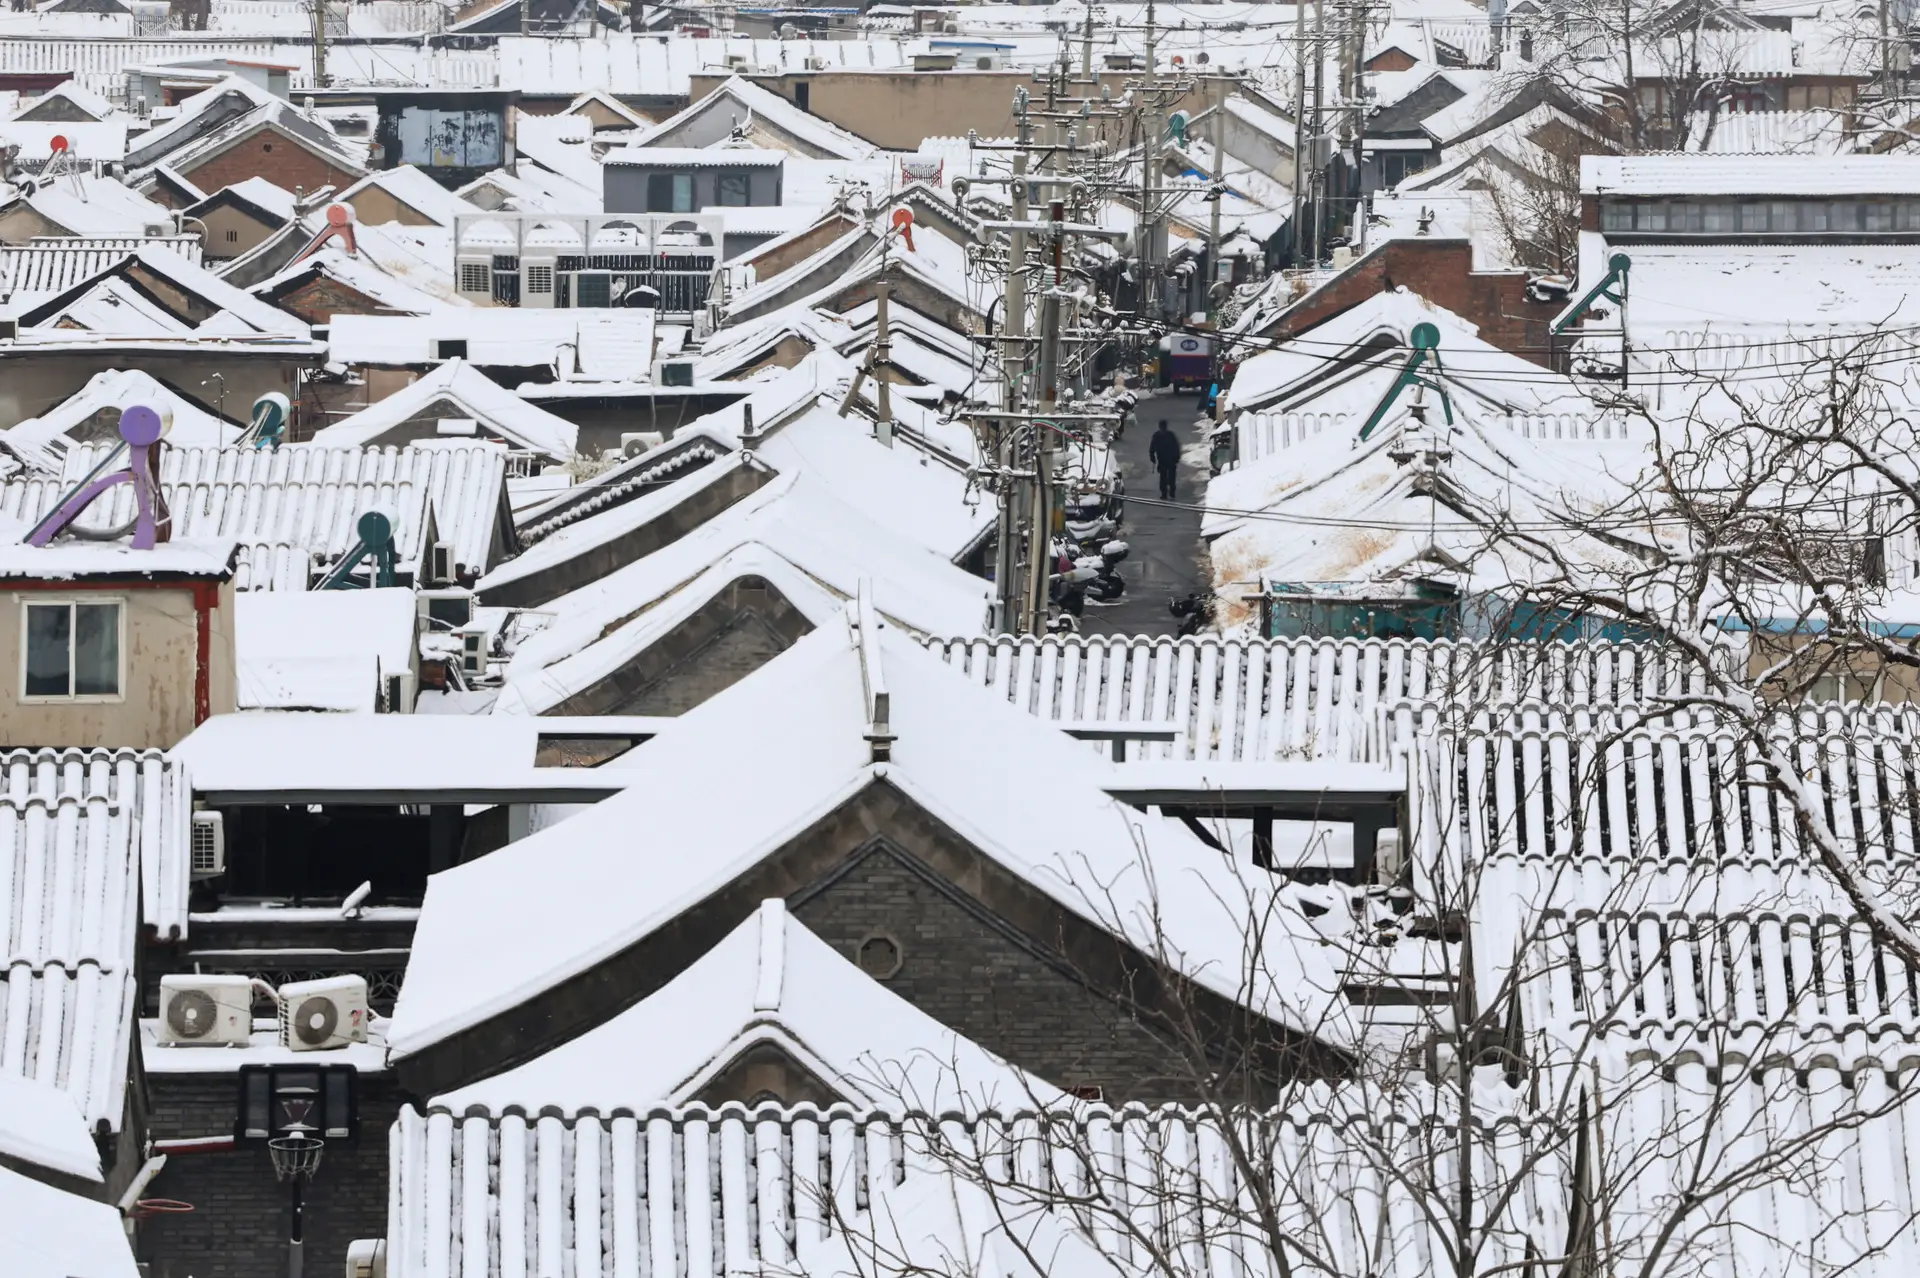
{"points": [[1718, 218], [733, 191], [1616, 217], [72, 651], [670, 193], [803, 96]]}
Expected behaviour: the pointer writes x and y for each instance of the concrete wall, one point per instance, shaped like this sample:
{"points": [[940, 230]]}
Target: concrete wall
{"points": [[155, 708], [238, 1227], [626, 186], [900, 109], [19, 224]]}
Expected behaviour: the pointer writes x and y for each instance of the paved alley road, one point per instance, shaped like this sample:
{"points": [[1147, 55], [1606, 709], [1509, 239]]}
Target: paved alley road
{"points": [[1167, 556]]}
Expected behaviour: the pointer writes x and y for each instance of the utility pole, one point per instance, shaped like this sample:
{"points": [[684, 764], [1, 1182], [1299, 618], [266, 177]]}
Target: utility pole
{"points": [[1216, 191], [882, 361], [1319, 126], [1299, 119], [319, 43]]}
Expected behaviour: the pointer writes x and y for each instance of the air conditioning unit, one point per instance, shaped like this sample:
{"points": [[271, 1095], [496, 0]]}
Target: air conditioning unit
{"points": [[207, 847], [444, 610], [440, 569], [474, 646], [399, 692], [205, 1011], [317, 1016], [635, 442], [367, 1258]]}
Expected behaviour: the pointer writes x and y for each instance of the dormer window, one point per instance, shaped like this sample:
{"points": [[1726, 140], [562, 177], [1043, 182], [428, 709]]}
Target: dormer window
{"points": [[70, 650]]}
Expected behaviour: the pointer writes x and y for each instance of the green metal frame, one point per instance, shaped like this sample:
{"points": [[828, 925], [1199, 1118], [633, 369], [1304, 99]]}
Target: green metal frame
{"points": [[1612, 289], [1425, 340], [376, 543]]}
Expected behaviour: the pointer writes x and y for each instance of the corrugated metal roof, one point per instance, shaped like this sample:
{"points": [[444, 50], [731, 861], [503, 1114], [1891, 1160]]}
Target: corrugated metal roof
{"points": [[304, 496], [91, 841], [42, 269]]}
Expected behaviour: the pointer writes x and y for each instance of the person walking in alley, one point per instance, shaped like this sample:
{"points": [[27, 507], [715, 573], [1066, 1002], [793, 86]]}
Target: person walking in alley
{"points": [[1164, 453]]}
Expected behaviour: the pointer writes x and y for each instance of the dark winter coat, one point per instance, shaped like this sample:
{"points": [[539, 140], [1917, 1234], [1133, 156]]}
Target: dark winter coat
{"points": [[1164, 451]]}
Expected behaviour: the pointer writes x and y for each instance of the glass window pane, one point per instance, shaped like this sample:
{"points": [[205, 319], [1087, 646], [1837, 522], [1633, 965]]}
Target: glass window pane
{"points": [[96, 650], [49, 635], [1653, 217], [1753, 217], [683, 193], [1879, 217], [1616, 217], [1814, 215], [1719, 217]]}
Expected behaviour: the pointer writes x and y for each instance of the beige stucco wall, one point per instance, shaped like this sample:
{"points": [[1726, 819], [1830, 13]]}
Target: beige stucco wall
{"points": [[900, 109], [376, 206], [248, 232], [157, 668]]}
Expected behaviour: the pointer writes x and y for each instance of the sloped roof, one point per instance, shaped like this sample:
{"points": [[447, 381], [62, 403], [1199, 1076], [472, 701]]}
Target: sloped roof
{"points": [[49, 1233], [47, 267], [487, 943], [498, 410], [358, 274], [413, 188], [91, 843], [40, 1124], [42, 442], [82, 204], [303, 495], [771, 980], [239, 314], [818, 136]]}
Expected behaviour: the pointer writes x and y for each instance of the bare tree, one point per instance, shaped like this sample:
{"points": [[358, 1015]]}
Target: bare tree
{"points": [[1572, 1047]]}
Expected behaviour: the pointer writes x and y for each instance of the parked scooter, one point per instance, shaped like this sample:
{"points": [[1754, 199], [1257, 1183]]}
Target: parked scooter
{"points": [[1195, 612]]}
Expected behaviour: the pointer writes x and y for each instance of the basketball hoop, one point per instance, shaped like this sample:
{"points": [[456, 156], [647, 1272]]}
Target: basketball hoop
{"points": [[295, 1156], [148, 1207]]}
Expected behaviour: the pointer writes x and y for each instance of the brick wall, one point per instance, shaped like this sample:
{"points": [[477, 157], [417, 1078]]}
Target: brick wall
{"points": [[1442, 272], [270, 155], [320, 299], [968, 971], [238, 1227]]}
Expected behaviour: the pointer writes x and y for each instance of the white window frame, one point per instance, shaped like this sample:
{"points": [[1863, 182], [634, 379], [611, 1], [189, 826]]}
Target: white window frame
{"points": [[27, 603]]}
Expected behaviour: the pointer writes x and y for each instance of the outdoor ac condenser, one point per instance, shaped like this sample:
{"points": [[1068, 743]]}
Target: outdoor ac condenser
{"points": [[205, 1011]]}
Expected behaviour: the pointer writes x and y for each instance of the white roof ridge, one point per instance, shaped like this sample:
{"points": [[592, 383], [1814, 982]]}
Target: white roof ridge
{"points": [[773, 955]]}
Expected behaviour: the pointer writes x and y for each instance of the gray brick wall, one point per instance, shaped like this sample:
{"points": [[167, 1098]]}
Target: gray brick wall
{"points": [[977, 976], [238, 1226]]}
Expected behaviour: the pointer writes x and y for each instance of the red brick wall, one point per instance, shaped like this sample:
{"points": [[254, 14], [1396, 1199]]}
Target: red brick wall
{"points": [[1442, 272], [318, 301], [1391, 60], [267, 154]]}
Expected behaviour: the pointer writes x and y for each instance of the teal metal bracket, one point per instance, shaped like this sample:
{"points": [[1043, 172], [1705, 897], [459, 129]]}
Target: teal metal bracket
{"points": [[1611, 289], [1425, 339], [375, 544]]}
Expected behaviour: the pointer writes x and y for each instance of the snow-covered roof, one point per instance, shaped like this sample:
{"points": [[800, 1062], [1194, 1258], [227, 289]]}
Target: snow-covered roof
{"points": [[362, 755], [320, 649], [81, 204], [561, 143], [42, 442], [76, 93], [238, 315], [87, 141], [49, 1233], [413, 188], [459, 385], [628, 64], [76, 559], [302, 495], [360, 275], [496, 933], [770, 981], [1698, 175], [29, 272], [697, 157], [276, 201], [754, 104], [603, 344], [92, 842], [41, 1125]]}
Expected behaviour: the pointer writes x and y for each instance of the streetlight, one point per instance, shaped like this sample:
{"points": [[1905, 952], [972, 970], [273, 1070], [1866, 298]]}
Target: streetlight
{"points": [[296, 1160]]}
